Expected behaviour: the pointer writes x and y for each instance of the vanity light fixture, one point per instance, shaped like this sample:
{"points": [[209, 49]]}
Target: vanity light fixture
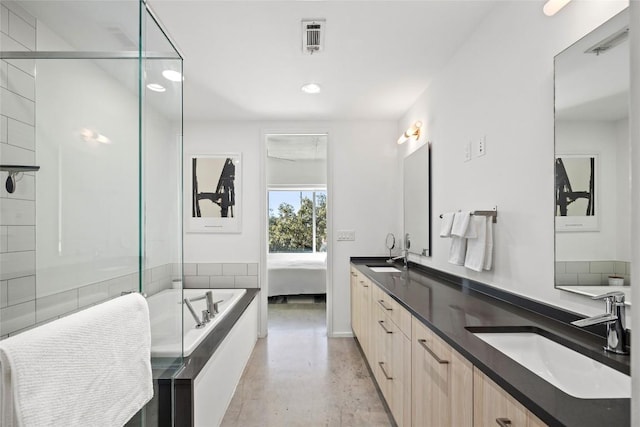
{"points": [[172, 75], [413, 131], [156, 87], [552, 7], [311, 88]]}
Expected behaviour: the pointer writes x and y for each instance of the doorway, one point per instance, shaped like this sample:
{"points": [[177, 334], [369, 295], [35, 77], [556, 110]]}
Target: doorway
{"points": [[295, 284]]}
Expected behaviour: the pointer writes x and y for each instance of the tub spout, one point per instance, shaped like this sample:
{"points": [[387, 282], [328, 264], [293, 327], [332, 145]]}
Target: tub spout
{"points": [[199, 324]]}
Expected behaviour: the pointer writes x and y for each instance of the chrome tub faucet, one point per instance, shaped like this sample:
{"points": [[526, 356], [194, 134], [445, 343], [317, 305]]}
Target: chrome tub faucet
{"points": [[614, 318]]}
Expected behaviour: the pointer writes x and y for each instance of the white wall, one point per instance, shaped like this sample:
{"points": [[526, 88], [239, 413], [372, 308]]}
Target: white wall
{"points": [[362, 185], [610, 141], [500, 84]]}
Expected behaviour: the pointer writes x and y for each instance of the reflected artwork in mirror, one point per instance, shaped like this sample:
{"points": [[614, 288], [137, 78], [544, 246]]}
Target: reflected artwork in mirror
{"points": [[417, 208], [592, 162]]}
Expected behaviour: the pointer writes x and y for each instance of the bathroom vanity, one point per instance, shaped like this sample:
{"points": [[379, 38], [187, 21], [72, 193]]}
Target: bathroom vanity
{"points": [[417, 329]]}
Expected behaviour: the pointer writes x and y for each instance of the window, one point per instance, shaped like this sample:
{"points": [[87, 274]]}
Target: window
{"points": [[297, 220]]}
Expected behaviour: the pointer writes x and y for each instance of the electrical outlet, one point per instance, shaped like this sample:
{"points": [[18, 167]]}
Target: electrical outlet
{"points": [[482, 146], [346, 235], [467, 151]]}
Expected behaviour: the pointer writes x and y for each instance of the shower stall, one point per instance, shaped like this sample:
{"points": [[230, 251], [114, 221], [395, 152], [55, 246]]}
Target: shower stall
{"points": [[91, 164]]}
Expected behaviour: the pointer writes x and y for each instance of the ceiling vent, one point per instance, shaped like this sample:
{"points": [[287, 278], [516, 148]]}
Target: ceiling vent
{"points": [[313, 36], [610, 42]]}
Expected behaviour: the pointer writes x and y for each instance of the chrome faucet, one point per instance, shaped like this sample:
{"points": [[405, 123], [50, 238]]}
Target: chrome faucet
{"points": [[209, 313], [404, 256], [614, 318]]}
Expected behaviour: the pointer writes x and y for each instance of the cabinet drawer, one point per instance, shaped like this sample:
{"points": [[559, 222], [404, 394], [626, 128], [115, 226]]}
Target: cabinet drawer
{"points": [[492, 405], [398, 314]]}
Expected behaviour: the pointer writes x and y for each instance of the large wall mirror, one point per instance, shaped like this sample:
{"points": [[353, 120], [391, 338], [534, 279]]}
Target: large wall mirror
{"points": [[417, 206], [592, 162]]}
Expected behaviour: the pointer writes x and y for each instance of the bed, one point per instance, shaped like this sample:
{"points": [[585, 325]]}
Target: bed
{"points": [[297, 273]]}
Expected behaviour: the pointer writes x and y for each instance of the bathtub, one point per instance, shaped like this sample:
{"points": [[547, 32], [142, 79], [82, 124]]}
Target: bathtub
{"points": [[167, 328]]}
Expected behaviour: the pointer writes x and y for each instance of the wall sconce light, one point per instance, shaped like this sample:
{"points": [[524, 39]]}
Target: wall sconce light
{"points": [[552, 7], [413, 131]]}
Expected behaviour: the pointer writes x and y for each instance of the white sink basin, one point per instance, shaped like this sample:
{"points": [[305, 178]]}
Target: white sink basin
{"points": [[384, 269], [570, 371]]}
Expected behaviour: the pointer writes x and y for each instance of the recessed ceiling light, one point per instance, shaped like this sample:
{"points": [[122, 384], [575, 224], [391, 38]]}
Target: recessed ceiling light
{"points": [[172, 75], [156, 87], [310, 88]]}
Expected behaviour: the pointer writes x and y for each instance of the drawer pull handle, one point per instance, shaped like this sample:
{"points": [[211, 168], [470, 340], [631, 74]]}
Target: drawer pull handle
{"points": [[503, 422], [384, 371], [381, 322], [363, 285], [384, 305], [423, 343]]}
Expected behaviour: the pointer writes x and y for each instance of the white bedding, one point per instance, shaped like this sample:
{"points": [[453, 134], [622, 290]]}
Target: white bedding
{"points": [[297, 273]]}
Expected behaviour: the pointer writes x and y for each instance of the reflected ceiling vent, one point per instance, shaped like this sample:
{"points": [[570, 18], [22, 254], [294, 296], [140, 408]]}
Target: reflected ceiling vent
{"points": [[610, 42], [313, 36]]}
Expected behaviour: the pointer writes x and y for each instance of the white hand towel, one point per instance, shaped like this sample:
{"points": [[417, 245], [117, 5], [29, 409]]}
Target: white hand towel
{"points": [[457, 250], [476, 248], [488, 253], [463, 226], [447, 223], [91, 368]]}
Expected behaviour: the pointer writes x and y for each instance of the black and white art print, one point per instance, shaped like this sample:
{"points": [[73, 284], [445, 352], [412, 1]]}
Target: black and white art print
{"points": [[214, 193], [576, 192]]}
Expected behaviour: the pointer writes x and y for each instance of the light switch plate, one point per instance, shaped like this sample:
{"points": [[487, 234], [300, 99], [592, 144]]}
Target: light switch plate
{"points": [[346, 235], [482, 146]]}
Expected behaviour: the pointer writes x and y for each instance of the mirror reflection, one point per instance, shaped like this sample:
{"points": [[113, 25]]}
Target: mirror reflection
{"points": [[592, 159], [417, 211]]}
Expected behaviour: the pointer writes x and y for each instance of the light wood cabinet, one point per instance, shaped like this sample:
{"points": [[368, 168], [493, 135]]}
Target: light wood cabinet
{"points": [[442, 390], [361, 310], [391, 361], [493, 406], [424, 381]]}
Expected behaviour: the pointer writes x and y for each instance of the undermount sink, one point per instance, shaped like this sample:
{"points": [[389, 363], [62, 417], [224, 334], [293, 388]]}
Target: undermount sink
{"points": [[572, 372], [385, 269]]}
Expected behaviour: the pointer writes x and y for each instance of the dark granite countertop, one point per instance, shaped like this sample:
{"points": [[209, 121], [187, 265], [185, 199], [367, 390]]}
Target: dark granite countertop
{"points": [[449, 305]]}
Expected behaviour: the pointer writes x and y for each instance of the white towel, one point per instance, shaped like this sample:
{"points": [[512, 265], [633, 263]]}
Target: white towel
{"points": [[91, 368], [447, 223], [476, 248], [488, 253], [463, 226], [457, 250]]}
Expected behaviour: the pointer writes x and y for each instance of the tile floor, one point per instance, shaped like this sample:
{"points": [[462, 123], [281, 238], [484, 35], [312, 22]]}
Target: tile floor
{"points": [[299, 377]]}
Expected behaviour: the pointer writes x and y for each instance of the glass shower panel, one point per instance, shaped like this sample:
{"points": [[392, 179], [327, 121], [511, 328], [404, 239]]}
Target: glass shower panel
{"points": [[161, 186], [86, 193]]}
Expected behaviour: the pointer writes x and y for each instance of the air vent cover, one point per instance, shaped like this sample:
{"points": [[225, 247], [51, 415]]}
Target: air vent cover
{"points": [[313, 36]]}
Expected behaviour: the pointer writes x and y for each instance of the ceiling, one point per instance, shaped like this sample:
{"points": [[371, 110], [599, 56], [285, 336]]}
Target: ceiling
{"points": [[243, 60]]}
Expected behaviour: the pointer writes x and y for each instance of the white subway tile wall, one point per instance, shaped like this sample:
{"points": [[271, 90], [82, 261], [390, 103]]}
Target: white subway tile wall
{"points": [[17, 146], [591, 273], [221, 275]]}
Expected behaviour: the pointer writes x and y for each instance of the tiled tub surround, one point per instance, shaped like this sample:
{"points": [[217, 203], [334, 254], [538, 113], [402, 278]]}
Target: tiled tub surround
{"points": [[448, 305], [21, 307], [221, 275], [17, 146], [591, 273]]}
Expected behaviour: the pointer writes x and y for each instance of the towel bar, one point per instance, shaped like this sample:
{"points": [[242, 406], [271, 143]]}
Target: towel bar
{"points": [[492, 213]]}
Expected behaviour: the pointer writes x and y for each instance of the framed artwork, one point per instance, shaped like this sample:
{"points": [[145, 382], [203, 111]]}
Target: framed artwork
{"points": [[576, 191], [213, 193]]}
